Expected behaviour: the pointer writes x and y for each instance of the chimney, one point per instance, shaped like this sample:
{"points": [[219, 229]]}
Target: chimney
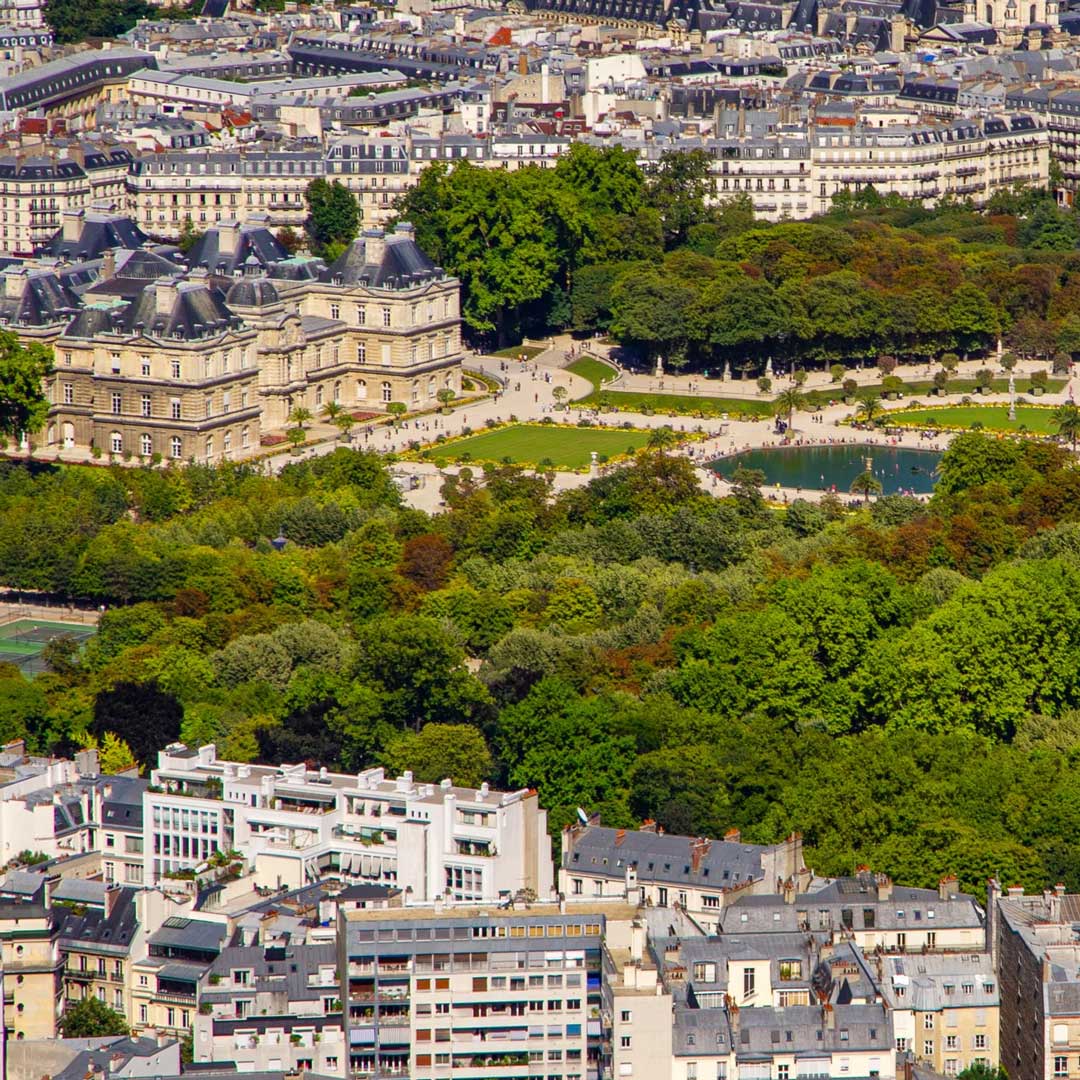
{"points": [[14, 280], [228, 237], [108, 265], [699, 848], [789, 891], [620, 836], [1014, 890], [830, 1016], [112, 895], [947, 887], [884, 886], [523, 64], [648, 826], [732, 836], [72, 223], [165, 294], [374, 246]]}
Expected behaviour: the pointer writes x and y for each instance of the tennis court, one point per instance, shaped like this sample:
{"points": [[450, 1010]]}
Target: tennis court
{"points": [[23, 640]]}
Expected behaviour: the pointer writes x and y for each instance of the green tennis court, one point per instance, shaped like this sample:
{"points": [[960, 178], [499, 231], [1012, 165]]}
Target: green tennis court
{"points": [[22, 641]]}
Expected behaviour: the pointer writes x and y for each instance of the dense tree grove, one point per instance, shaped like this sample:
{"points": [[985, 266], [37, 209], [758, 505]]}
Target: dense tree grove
{"points": [[596, 244], [899, 683]]}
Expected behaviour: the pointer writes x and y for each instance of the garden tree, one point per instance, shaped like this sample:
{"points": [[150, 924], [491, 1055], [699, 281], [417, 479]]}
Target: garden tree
{"points": [[23, 704], [333, 214], [866, 484], [289, 239], [560, 394], [331, 411], [189, 235], [345, 422], [397, 409], [416, 669], [662, 438], [984, 1072], [438, 751], [788, 401], [141, 715], [426, 561], [869, 407], [114, 755], [1066, 418], [444, 397], [1050, 228], [577, 749], [89, 1018], [739, 315], [23, 406], [683, 789], [301, 416], [678, 188], [1068, 335], [650, 314]]}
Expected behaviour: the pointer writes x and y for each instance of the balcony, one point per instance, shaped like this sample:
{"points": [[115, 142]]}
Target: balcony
{"points": [[171, 998]]}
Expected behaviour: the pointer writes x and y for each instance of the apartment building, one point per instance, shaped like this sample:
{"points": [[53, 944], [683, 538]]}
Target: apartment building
{"points": [[164, 982], [297, 825], [273, 1006], [967, 159], [698, 875], [869, 910], [31, 959], [691, 1007], [474, 992], [37, 185], [99, 937], [944, 1006], [153, 361], [1036, 952]]}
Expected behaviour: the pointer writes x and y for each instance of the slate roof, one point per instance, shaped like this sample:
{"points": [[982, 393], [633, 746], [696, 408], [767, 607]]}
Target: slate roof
{"points": [[99, 1060], [99, 232], [402, 265], [191, 310], [44, 299], [183, 933], [285, 970], [97, 932], [254, 245], [251, 292], [662, 858]]}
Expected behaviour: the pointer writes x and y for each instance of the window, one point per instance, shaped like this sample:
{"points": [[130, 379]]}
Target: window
{"points": [[386, 316], [387, 392], [116, 442], [928, 1048], [117, 403], [704, 972], [145, 405], [626, 1016], [146, 445], [981, 1042], [625, 1042], [748, 981], [361, 352], [69, 394], [176, 447], [176, 369], [245, 437], [952, 1042], [691, 1070], [361, 316], [868, 918], [928, 1021], [145, 364], [1061, 1066], [931, 940], [335, 311]]}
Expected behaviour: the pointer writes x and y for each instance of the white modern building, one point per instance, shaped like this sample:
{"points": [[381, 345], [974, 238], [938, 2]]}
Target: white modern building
{"points": [[296, 825]]}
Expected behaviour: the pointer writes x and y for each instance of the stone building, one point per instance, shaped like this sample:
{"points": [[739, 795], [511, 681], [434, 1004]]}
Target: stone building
{"points": [[155, 360]]}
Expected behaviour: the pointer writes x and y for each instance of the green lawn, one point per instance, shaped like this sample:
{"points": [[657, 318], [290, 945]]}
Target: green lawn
{"points": [[993, 418], [679, 404], [515, 352], [596, 371], [528, 444]]}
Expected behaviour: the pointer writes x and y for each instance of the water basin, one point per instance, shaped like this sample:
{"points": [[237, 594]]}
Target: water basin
{"points": [[898, 469]]}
